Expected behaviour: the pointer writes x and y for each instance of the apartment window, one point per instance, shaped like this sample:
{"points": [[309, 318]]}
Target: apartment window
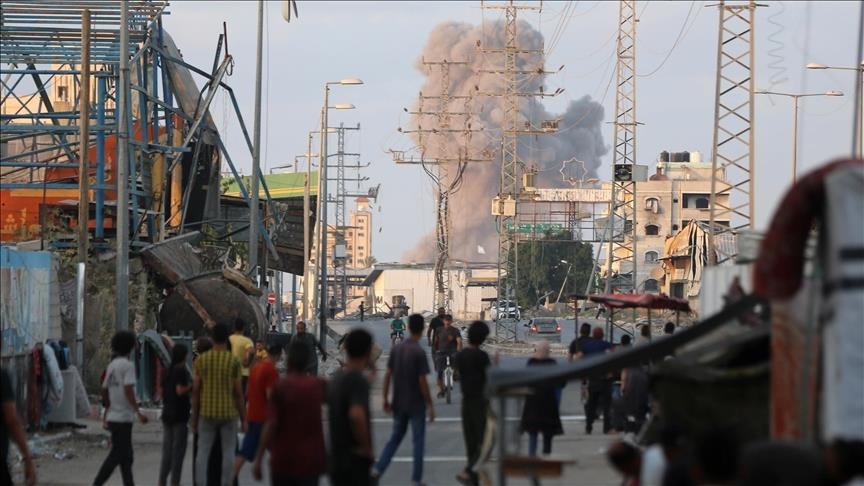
{"points": [[63, 93], [359, 247], [360, 234], [702, 203], [652, 204], [651, 285], [652, 230], [651, 257], [674, 227], [677, 290]]}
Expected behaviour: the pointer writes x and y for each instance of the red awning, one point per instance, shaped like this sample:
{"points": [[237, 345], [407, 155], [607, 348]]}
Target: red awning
{"points": [[644, 301]]}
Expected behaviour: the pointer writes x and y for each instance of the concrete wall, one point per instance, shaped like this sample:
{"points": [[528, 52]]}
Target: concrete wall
{"points": [[418, 287], [29, 299]]}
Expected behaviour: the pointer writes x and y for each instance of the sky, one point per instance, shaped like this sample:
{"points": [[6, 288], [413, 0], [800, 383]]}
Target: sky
{"points": [[380, 43]]}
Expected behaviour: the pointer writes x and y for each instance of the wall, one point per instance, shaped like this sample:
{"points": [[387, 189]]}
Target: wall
{"points": [[417, 284], [29, 299]]}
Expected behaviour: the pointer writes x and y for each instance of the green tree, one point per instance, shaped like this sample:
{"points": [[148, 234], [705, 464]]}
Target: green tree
{"points": [[541, 270]]}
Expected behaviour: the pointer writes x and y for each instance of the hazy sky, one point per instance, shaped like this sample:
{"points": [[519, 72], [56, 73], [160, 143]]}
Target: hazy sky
{"points": [[380, 42]]}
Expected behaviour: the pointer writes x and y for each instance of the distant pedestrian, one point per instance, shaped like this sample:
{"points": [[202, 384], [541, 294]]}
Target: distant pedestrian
{"points": [[630, 407], [332, 307], [407, 367], [599, 388], [644, 335], [217, 404], [436, 323], [12, 427], [669, 328], [362, 311], [243, 349], [471, 364], [576, 344], [294, 431], [540, 414], [118, 390], [176, 400], [348, 412], [311, 342], [262, 377]]}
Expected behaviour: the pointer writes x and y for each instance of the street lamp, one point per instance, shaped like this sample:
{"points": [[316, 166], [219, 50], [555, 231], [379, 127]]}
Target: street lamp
{"points": [[569, 266], [859, 108], [795, 98], [322, 201]]}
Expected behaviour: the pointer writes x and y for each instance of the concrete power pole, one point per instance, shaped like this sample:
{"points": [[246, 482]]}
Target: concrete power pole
{"points": [[732, 163], [445, 169], [622, 244], [505, 204]]}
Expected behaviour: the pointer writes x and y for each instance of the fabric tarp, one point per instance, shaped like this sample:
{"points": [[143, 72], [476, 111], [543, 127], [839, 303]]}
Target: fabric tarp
{"points": [[644, 301]]}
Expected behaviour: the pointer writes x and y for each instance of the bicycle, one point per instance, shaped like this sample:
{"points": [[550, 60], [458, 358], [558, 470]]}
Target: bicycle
{"points": [[448, 379], [396, 337]]}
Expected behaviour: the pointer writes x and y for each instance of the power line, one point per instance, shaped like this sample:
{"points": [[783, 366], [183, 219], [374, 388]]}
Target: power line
{"points": [[681, 34]]}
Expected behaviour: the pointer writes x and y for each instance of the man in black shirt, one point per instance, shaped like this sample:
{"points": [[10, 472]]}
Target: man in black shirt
{"points": [[436, 323], [348, 404], [471, 363], [576, 344], [446, 342]]}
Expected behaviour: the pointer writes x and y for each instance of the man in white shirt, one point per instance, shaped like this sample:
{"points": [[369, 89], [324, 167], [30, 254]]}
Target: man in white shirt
{"points": [[118, 389]]}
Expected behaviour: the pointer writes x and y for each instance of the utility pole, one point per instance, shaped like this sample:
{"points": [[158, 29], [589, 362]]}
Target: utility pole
{"points": [[122, 270], [339, 271], [256, 155], [438, 168], [84, 141], [622, 245], [505, 204], [733, 180]]}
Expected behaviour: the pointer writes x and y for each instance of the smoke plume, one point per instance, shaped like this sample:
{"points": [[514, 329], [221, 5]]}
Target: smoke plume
{"points": [[579, 135]]}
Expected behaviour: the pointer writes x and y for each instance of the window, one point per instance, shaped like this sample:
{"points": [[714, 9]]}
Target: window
{"points": [[628, 225], [651, 256], [651, 285], [674, 227], [652, 230], [359, 247], [702, 203], [63, 93], [677, 289], [652, 204], [360, 235]]}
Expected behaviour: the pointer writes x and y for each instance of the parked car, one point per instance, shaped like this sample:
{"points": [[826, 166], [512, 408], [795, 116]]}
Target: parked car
{"points": [[545, 327], [506, 309]]}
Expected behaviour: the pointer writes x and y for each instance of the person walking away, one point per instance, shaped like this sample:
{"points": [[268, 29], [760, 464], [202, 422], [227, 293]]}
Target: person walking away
{"points": [[669, 328], [644, 335], [631, 406], [348, 413], [311, 342], [332, 307], [243, 349], [362, 311], [576, 344], [436, 323], [471, 363], [217, 403], [540, 414], [262, 377], [118, 390], [293, 431], [406, 370], [176, 388], [447, 341], [599, 388], [12, 427]]}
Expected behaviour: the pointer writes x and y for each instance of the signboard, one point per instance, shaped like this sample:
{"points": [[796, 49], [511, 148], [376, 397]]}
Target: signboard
{"points": [[271, 298], [528, 228], [574, 195]]}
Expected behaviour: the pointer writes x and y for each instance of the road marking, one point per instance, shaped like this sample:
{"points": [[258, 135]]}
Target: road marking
{"points": [[564, 418]]}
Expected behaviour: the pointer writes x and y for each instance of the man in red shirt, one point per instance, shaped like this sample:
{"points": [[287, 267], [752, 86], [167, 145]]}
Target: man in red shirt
{"points": [[293, 430], [262, 377]]}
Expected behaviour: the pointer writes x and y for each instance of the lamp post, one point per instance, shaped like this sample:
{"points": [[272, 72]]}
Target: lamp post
{"points": [[795, 98], [859, 107], [322, 197], [569, 266]]}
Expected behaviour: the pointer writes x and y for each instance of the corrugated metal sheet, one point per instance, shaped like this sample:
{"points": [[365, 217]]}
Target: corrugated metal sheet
{"points": [[29, 299]]}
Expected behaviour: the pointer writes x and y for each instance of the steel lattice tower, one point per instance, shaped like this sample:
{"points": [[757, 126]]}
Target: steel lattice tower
{"points": [[339, 272], [505, 205], [447, 179], [622, 214], [732, 155]]}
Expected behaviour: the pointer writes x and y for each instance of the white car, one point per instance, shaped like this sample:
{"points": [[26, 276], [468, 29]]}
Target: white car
{"points": [[506, 310]]}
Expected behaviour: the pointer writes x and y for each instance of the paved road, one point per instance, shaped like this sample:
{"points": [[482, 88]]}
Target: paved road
{"points": [[444, 446]]}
